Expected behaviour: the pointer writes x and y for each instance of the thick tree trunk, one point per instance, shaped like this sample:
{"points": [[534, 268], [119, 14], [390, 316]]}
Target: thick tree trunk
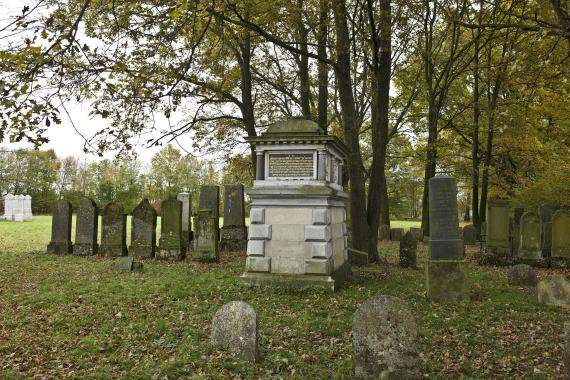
{"points": [[246, 94], [475, 144], [485, 179], [430, 164], [323, 71], [305, 90]]}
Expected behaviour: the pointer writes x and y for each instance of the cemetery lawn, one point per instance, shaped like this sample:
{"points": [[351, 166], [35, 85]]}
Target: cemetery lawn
{"points": [[73, 317]]}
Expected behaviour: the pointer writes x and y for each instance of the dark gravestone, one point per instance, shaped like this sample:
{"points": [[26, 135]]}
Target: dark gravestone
{"points": [[385, 340], [210, 199], [529, 247], [86, 227], [60, 243], [170, 246], [234, 234], [127, 264], [408, 246], [417, 233], [384, 232], [522, 275], [143, 231], [186, 199], [113, 231], [205, 237], [469, 235], [446, 277], [234, 328], [396, 234]]}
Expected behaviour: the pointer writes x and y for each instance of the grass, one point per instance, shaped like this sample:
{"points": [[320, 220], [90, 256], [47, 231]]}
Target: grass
{"points": [[73, 317]]}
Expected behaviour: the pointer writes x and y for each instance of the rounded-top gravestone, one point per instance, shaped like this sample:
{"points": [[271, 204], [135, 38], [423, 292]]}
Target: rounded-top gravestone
{"points": [[234, 328]]}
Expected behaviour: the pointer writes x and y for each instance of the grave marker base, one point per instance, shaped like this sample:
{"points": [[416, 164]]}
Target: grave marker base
{"points": [[85, 249], [447, 281], [58, 248]]}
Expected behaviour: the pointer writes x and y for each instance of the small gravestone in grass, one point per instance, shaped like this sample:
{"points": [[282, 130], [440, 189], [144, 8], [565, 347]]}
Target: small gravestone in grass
{"points": [[234, 328], [384, 340], [384, 232], [234, 234], [61, 228], [86, 227], [396, 234], [170, 246], [522, 275], [113, 231], [127, 264], [408, 246], [205, 237], [143, 231]]}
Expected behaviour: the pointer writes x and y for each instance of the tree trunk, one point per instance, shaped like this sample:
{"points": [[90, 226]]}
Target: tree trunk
{"points": [[323, 71], [485, 179], [475, 144], [430, 164], [246, 94], [305, 90]]}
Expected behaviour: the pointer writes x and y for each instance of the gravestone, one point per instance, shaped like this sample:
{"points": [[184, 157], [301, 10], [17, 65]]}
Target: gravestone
{"points": [[234, 328], [86, 228], [408, 246], [497, 227], [417, 233], [384, 232], [18, 208], [515, 230], [554, 290], [60, 228], [529, 246], [396, 234], [561, 234], [205, 237], [469, 235], [210, 199], [8, 206], [545, 213], [170, 246], [186, 199], [385, 340], [234, 233], [127, 264], [28, 215], [446, 272], [113, 231], [143, 231], [522, 275]]}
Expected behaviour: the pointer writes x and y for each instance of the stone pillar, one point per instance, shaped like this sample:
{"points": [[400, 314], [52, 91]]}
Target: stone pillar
{"points": [[28, 207], [61, 228], [321, 165], [234, 234], [86, 228], [186, 199], [446, 273], [143, 231], [170, 245], [210, 199], [260, 166], [206, 239], [545, 213], [113, 231]]}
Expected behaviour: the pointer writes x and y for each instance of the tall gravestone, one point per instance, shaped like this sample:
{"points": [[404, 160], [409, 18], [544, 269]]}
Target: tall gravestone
{"points": [[561, 238], [545, 213], [170, 245], [8, 204], [210, 199], [113, 231], [234, 233], [205, 242], [28, 207], [446, 272], [186, 199], [61, 228], [469, 235], [498, 226], [18, 209], [529, 241], [408, 246], [86, 228], [515, 228], [143, 231]]}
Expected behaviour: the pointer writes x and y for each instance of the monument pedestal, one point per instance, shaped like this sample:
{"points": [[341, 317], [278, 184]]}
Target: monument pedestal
{"points": [[447, 281], [234, 238]]}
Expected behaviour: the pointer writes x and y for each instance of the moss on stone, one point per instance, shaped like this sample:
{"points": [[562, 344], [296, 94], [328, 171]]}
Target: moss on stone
{"points": [[447, 281]]}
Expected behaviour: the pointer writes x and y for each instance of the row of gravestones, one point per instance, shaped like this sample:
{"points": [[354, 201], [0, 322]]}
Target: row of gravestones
{"points": [[176, 227], [17, 208], [539, 238], [468, 233]]}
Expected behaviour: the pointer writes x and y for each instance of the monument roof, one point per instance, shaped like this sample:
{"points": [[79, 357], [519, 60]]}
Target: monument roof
{"points": [[295, 126]]}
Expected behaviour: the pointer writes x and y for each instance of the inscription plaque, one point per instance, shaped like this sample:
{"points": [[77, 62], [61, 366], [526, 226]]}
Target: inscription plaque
{"points": [[291, 165]]}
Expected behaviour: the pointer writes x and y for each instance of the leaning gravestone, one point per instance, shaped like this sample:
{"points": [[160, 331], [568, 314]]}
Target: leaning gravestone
{"points": [[86, 228], [554, 290], [384, 232], [529, 246], [60, 228], [522, 275], [205, 238], [8, 206], [143, 231], [210, 199], [396, 234], [234, 328], [186, 199], [18, 209], [170, 246], [469, 235], [408, 246], [234, 234], [113, 231], [384, 340], [446, 273]]}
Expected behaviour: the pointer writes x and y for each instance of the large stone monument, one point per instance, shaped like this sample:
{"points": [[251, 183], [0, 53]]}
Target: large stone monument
{"points": [[560, 253], [113, 231], [210, 200], [446, 272], [60, 228], [298, 234], [86, 228], [143, 231], [186, 199], [170, 245], [234, 233], [206, 237]]}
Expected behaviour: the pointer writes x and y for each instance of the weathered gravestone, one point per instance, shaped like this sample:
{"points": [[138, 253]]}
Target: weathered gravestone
{"points": [[28, 207], [522, 275], [113, 231], [86, 228], [234, 233], [545, 213], [554, 290], [18, 208], [127, 264], [396, 234], [143, 231], [234, 328], [498, 227], [205, 237], [60, 228], [561, 234], [529, 246], [515, 228], [8, 206], [384, 340], [446, 272], [187, 235], [210, 199], [170, 246], [469, 235], [408, 246], [384, 232], [417, 233]]}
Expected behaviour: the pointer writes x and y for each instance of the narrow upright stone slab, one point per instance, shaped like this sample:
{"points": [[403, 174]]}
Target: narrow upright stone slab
{"points": [[545, 213], [187, 236], [396, 234], [143, 231], [561, 234], [516, 230], [170, 246], [446, 274], [61, 228], [469, 235], [385, 340], [205, 242], [86, 228], [234, 328], [408, 246], [113, 231], [234, 234], [210, 199], [529, 247], [497, 226], [28, 215]]}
